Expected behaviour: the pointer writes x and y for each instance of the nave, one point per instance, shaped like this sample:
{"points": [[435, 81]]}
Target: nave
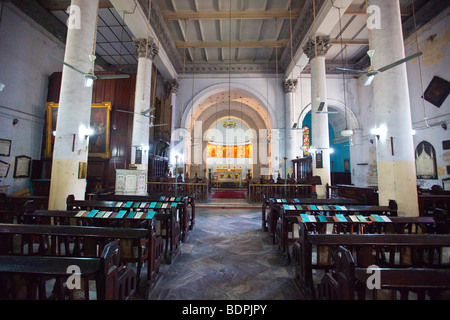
{"points": [[227, 257]]}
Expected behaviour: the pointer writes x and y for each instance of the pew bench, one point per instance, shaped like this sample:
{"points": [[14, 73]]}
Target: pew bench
{"points": [[112, 281], [349, 282], [383, 250], [367, 195], [345, 217], [269, 223], [167, 214], [146, 221], [87, 242], [188, 221]]}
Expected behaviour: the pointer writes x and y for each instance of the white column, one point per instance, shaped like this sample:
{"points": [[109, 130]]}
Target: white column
{"points": [[358, 156], [171, 87], [140, 137], [395, 146], [293, 137], [320, 137], [74, 111]]}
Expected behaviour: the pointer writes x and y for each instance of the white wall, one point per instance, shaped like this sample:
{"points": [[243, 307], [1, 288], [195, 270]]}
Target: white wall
{"points": [[434, 62], [24, 69], [433, 41]]}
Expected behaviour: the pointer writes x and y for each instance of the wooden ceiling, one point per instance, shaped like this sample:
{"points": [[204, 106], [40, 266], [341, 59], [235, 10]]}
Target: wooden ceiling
{"points": [[245, 32]]}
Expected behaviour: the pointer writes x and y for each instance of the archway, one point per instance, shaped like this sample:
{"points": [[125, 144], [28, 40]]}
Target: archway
{"points": [[218, 102], [341, 147]]}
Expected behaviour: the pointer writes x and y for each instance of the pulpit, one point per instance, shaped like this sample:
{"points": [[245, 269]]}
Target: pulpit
{"points": [[131, 182]]}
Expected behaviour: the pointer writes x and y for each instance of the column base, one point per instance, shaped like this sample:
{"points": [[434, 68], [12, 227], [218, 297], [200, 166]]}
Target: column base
{"points": [[65, 182], [397, 181], [324, 174]]}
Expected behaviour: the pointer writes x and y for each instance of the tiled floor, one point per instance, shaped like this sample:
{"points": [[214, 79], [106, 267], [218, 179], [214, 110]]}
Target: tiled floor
{"points": [[227, 257]]}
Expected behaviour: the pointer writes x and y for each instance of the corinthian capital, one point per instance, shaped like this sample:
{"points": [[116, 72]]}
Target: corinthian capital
{"points": [[290, 85], [142, 50], [323, 45], [170, 86]]}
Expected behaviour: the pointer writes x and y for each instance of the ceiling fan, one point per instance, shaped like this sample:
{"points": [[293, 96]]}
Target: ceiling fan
{"points": [[320, 109], [372, 72], [90, 76]]}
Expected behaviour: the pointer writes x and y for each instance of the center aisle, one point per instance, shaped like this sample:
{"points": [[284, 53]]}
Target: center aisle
{"points": [[227, 257]]}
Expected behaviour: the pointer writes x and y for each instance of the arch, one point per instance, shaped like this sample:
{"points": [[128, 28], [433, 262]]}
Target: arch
{"points": [[190, 107], [338, 105]]}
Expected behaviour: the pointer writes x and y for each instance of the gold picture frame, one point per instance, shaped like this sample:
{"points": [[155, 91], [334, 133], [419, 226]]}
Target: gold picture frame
{"points": [[99, 142]]}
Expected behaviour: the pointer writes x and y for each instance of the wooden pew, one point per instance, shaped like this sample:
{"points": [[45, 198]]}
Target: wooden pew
{"points": [[349, 282], [187, 218], [87, 242], [367, 195], [166, 213], [285, 225], [147, 221], [429, 202], [415, 250], [269, 223], [112, 282]]}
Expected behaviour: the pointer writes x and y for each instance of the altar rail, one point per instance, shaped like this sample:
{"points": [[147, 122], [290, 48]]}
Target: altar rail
{"points": [[181, 189], [256, 191]]}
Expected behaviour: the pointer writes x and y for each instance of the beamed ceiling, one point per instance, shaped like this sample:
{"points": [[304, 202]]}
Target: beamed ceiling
{"points": [[206, 39]]}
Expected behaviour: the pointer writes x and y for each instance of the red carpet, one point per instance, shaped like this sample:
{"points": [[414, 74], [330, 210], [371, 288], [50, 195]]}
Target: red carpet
{"points": [[228, 195]]}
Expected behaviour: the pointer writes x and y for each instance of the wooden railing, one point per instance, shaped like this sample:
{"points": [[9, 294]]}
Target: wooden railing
{"points": [[256, 191], [181, 189]]}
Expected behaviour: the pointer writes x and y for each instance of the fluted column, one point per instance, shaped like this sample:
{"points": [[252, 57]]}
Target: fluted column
{"points": [[316, 50], [394, 141], [74, 111], [141, 134]]}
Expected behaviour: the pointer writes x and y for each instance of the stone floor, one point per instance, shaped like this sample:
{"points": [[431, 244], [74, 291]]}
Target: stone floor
{"points": [[227, 257]]}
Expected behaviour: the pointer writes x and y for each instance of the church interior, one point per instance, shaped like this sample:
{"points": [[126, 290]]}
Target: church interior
{"points": [[224, 150]]}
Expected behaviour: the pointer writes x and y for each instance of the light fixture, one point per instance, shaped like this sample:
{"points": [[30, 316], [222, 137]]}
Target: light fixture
{"points": [[89, 79], [413, 132], [2, 86]]}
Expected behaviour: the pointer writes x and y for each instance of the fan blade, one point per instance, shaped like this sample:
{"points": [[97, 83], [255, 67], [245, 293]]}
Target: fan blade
{"points": [[125, 111], [321, 106], [157, 125], [351, 71], [141, 114], [113, 76], [369, 80], [70, 66], [147, 111], [399, 62]]}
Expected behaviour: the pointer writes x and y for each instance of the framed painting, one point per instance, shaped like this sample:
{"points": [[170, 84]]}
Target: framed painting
{"points": [[5, 147], [99, 141], [22, 167], [437, 92]]}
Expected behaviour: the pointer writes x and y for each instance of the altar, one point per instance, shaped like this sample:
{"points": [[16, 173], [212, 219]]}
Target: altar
{"points": [[225, 175]]}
